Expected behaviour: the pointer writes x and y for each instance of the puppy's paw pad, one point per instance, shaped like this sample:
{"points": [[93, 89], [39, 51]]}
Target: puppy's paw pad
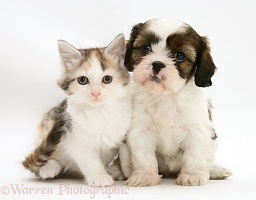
{"points": [[142, 179], [50, 169], [191, 180], [100, 181], [115, 172]]}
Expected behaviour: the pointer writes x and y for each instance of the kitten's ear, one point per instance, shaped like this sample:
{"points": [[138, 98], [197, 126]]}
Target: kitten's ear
{"points": [[116, 48], [70, 56], [205, 65]]}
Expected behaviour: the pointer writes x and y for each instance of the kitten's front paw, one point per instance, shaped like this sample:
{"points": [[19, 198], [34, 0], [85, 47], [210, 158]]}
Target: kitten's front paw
{"points": [[115, 172], [127, 171], [50, 169], [100, 181], [192, 179], [142, 179]]}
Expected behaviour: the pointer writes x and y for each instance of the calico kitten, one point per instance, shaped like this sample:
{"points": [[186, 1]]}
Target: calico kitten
{"points": [[83, 134]]}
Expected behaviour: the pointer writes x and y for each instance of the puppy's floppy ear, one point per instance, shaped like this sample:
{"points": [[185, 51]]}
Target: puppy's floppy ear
{"points": [[129, 46], [205, 65]]}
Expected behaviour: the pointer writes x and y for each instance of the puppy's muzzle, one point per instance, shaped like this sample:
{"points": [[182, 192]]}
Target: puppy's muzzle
{"points": [[157, 66]]}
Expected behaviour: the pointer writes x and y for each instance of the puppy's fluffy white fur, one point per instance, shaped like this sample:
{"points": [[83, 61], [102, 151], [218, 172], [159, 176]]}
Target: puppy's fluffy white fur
{"points": [[171, 131]]}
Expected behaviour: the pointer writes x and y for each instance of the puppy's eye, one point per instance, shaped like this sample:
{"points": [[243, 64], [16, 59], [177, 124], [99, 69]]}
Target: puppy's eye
{"points": [[107, 79], [180, 56], [146, 49], [82, 80]]}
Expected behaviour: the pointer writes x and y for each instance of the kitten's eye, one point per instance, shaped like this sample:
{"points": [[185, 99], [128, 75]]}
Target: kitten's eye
{"points": [[107, 79], [180, 56], [146, 49], [83, 80]]}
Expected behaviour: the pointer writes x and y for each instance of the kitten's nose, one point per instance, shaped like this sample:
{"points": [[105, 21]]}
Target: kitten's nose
{"points": [[95, 93], [157, 66]]}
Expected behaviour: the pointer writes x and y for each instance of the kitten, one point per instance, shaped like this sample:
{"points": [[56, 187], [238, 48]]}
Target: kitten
{"points": [[83, 134]]}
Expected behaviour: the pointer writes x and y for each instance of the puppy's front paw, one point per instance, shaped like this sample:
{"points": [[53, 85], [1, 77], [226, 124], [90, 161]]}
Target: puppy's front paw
{"points": [[218, 172], [50, 169], [142, 179], [191, 179], [100, 181]]}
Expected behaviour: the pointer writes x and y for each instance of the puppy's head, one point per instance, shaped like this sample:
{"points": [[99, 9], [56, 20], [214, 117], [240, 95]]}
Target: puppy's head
{"points": [[165, 54]]}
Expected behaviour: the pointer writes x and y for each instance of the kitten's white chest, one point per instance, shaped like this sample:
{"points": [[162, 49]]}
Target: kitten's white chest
{"points": [[102, 126]]}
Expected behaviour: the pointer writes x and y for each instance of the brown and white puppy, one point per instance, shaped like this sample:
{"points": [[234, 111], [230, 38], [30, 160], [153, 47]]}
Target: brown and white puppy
{"points": [[171, 131]]}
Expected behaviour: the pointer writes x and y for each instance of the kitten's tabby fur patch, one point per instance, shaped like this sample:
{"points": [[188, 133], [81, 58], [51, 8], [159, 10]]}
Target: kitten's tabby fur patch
{"points": [[53, 126]]}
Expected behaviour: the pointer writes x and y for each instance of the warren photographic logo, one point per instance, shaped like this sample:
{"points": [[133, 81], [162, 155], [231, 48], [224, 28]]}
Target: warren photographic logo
{"points": [[63, 189]]}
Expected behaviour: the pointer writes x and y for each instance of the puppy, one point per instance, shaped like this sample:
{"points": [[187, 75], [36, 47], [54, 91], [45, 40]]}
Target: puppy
{"points": [[171, 131]]}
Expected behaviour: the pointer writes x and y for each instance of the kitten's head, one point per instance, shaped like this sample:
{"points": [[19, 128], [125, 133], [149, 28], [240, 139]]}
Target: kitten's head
{"points": [[94, 76]]}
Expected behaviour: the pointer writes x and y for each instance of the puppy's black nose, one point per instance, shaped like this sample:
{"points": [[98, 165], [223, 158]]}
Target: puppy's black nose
{"points": [[157, 66]]}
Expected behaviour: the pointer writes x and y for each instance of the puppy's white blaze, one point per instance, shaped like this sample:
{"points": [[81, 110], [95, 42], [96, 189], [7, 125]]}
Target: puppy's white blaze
{"points": [[163, 27], [160, 48]]}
